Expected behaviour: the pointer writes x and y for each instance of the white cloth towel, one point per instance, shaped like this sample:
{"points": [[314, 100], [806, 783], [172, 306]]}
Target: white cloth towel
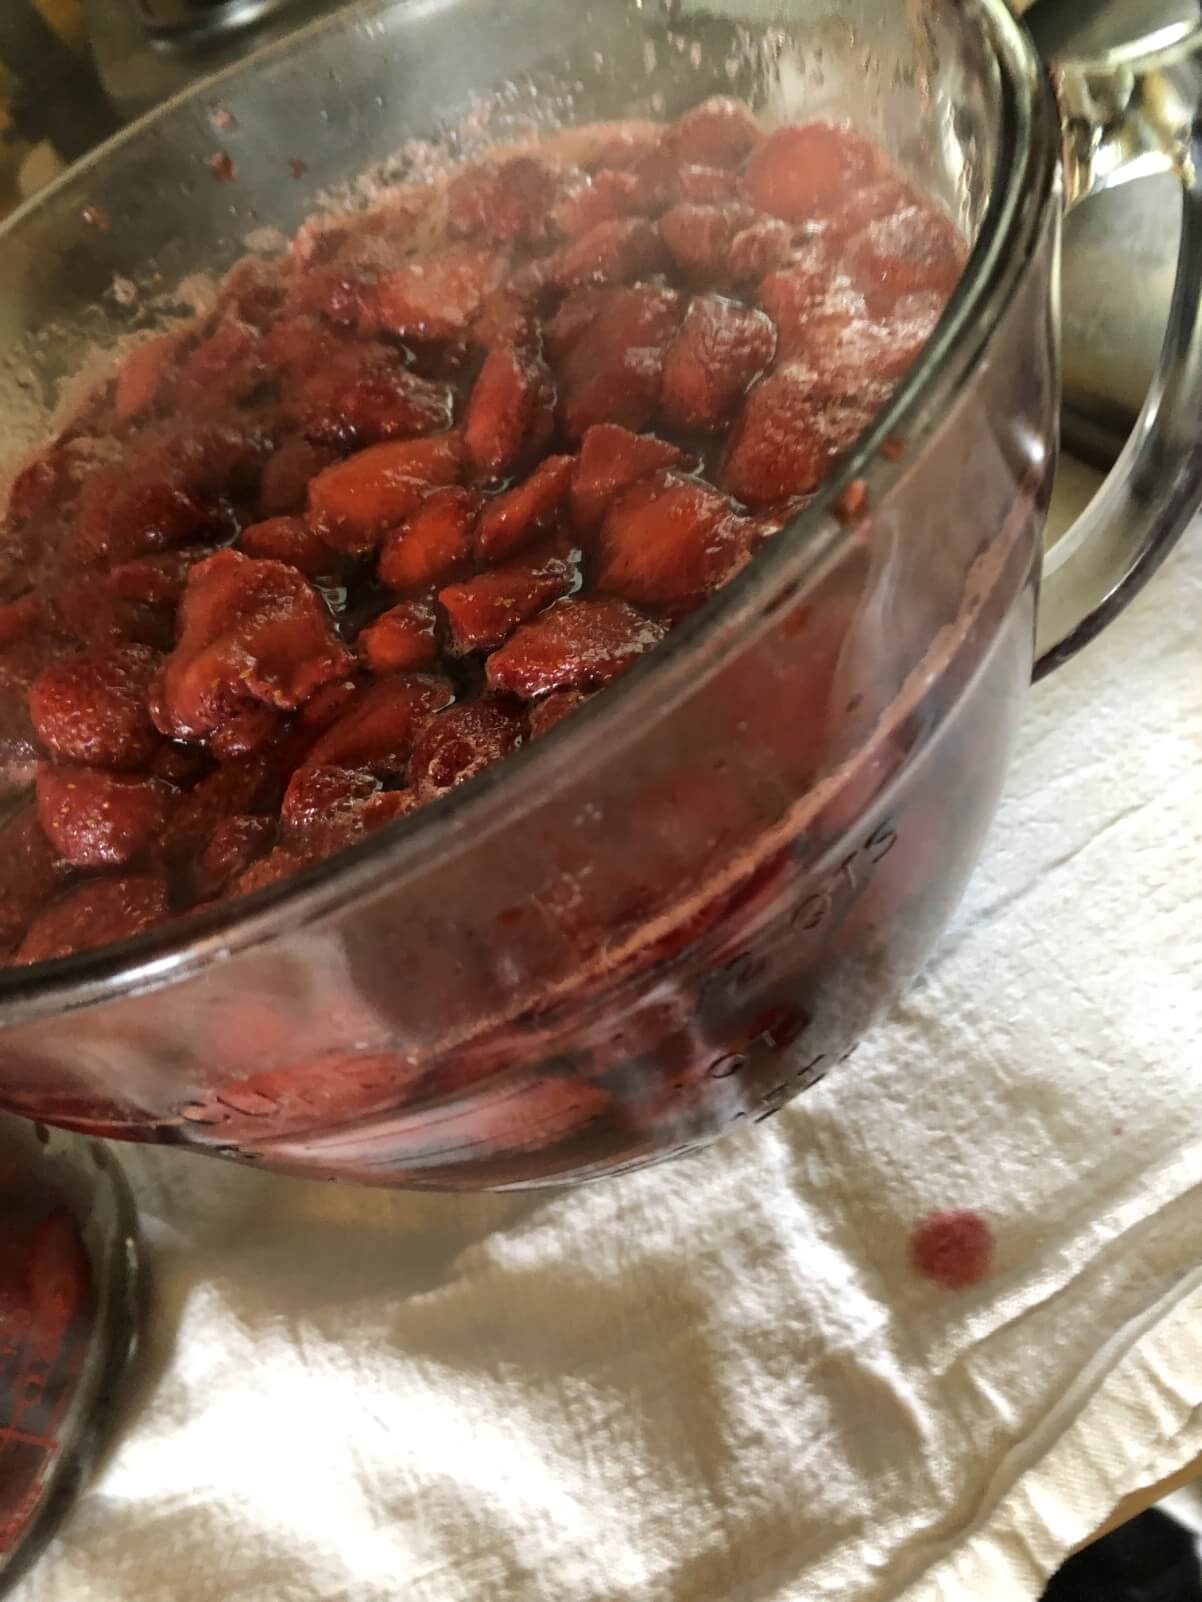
{"points": [[722, 1380]]}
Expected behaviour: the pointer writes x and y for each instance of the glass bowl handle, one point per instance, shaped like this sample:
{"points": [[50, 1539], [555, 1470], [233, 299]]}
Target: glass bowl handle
{"points": [[1132, 113]]}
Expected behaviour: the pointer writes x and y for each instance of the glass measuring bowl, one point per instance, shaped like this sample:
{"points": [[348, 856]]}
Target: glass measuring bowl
{"points": [[689, 902]]}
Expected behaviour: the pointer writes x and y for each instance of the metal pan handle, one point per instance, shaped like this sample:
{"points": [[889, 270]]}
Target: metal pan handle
{"points": [[1132, 113]]}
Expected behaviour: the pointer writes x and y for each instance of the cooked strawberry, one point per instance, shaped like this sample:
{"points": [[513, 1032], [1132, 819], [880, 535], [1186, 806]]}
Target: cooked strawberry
{"points": [[800, 295], [403, 638], [622, 146], [282, 863], [379, 406], [788, 432], [613, 252], [317, 792], [718, 133], [553, 708], [92, 709], [97, 819], [253, 636], [611, 460], [807, 170], [699, 237], [291, 540], [144, 374], [758, 249], [430, 545], [512, 519], [431, 298], [706, 185], [511, 410], [244, 784], [95, 914], [577, 312], [286, 476], [30, 873], [119, 517], [604, 197], [353, 502], [221, 370], [235, 844], [573, 645], [909, 252], [157, 580], [503, 201], [612, 369], [720, 348], [328, 705], [459, 743], [670, 541], [378, 728], [486, 609], [507, 314], [329, 808]]}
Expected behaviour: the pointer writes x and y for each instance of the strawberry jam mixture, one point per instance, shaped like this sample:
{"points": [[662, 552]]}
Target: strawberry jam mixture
{"points": [[409, 495]]}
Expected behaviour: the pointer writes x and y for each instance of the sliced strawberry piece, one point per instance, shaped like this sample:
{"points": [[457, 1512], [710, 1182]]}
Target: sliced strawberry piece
{"points": [[279, 864], [96, 914], [92, 709], [286, 476], [608, 195], [157, 580], [799, 295], [807, 170], [97, 819], [436, 540], [707, 185], [459, 743], [512, 519], [30, 872], [143, 376], [670, 541], [235, 844], [577, 312], [380, 406], [699, 237], [329, 808], [291, 540], [720, 132], [253, 636], [613, 252], [245, 784], [511, 410], [432, 298], [913, 251], [507, 201], [612, 370], [759, 249], [622, 146], [787, 434], [508, 315], [573, 645], [117, 518], [221, 370], [328, 705], [486, 609], [379, 726], [317, 793], [720, 349], [611, 460], [353, 502], [553, 708], [401, 639]]}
